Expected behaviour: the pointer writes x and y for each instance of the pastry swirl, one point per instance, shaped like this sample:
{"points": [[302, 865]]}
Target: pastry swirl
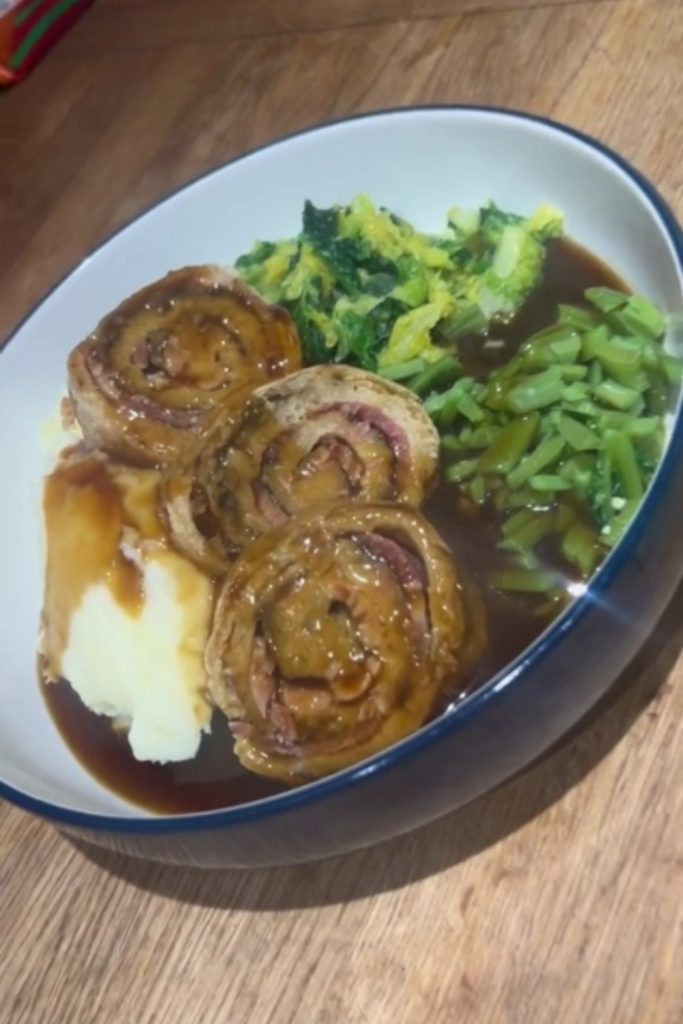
{"points": [[337, 634], [147, 381], [328, 433]]}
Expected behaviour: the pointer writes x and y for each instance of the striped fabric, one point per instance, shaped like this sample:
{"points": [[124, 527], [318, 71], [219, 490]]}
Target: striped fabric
{"points": [[29, 28]]}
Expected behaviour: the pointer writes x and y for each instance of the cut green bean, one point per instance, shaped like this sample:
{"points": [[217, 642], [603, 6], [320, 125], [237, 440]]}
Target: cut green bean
{"points": [[640, 316], [461, 470], [593, 340], [436, 375], [517, 521], [578, 436], [606, 299], [402, 371], [483, 437], [579, 319], [467, 407], [535, 392], [567, 349], [530, 533], [616, 395], [620, 449], [477, 490], [544, 455], [509, 445], [451, 444], [558, 332], [580, 546], [617, 528], [575, 393], [563, 438], [549, 482]]}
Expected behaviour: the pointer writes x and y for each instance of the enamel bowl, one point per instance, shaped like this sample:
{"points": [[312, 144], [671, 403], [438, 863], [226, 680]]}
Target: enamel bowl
{"points": [[419, 162]]}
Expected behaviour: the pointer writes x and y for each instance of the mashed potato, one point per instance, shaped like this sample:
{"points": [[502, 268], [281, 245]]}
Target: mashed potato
{"points": [[125, 616]]}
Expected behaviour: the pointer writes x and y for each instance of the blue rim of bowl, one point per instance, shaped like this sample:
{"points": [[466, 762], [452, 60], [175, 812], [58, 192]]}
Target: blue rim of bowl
{"points": [[475, 703]]}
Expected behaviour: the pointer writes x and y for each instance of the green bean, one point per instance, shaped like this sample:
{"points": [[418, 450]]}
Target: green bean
{"points": [[572, 426], [558, 332], [469, 408], [451, 444], [528, 535], [574, 393], [593, 340], [436, 375], [401, 371], [516, 521], [544, 455], [579, 319], [572, 372], [483, 437], [477, 490], [641, 317], [461, 470], [578, 436], [567, 349], [606, 299], [549, 482], [620, 523], [580, 546], [578, 472], [646, 317], [620, 449], [509, 445], [535, 392], [617, 395]]}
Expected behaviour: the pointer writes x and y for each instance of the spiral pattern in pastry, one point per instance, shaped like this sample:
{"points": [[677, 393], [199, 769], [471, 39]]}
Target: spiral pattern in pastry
{"points": [[336, 635], [148, 380], [328, 433]]}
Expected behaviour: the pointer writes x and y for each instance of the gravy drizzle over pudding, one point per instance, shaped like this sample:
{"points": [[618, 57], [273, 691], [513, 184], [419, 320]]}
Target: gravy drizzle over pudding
{"points": [[148, 379], [333, 636], [322, 434]]}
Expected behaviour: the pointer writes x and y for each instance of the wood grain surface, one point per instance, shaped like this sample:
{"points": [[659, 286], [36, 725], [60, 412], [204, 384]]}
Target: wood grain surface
{"points": [[557, 899]]}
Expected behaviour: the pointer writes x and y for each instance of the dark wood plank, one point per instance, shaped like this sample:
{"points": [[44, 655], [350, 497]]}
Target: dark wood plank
{"points": [[131, 24]]}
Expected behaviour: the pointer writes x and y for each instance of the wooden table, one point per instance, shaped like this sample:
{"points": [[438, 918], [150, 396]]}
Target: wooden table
{"points": [[556, 900]]}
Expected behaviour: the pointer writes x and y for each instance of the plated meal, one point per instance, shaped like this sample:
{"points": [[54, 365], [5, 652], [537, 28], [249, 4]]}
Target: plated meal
{"points": [[302, 506]]}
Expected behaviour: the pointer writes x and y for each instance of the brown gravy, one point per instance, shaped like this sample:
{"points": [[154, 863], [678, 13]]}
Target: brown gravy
{"points": [[215, 779]]}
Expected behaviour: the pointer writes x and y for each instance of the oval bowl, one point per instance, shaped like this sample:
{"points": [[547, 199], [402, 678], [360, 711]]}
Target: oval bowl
{"points": [[418, 162]]}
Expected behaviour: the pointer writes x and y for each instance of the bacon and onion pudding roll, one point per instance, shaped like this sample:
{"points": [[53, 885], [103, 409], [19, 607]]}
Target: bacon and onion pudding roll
{"points": [[147, 381], [328, 433], [337, 634]]}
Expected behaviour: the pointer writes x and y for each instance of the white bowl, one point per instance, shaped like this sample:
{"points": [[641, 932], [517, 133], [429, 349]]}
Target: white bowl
{"points": [[417, 163]]}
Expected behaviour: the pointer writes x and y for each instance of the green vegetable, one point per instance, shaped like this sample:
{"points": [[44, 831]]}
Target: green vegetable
{"points": [[581, 547], [580, 437], [563, 439], [365, 287], [535, 392], [546, 454], [444, 372], [461, 470], [509, 445], [566, 435], [403, 371]]}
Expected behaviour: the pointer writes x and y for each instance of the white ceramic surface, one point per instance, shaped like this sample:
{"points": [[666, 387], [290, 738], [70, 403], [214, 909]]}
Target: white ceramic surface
{"points": [[418, 163]]}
